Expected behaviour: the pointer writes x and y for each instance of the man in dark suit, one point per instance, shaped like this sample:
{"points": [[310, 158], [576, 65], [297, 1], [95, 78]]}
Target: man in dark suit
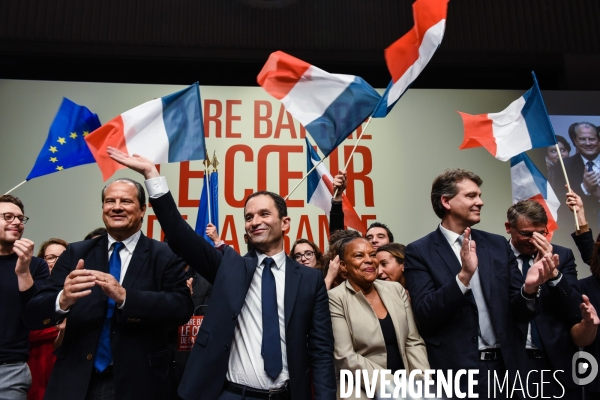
{"points": [[467, 292], [267, 329], [120, 293], [548, 334], [583, 170]]}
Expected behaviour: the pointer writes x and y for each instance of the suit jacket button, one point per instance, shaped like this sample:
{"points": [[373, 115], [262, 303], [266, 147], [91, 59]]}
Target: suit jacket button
{"points": [[89, 357], [226, 347], [474, 339], [234, 316]]}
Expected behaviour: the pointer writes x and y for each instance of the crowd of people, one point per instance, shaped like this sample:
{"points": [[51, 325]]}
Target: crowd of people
{"points": [[98, 319]]}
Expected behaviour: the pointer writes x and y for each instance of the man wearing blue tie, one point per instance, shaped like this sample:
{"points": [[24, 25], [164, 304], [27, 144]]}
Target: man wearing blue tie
{"points": [[267, 330], [121, 293]]}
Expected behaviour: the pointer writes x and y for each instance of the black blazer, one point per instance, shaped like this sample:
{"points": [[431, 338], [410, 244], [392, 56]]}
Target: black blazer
{"points": [[448, 320], [308, 331], [585, 244], [157, 300]]}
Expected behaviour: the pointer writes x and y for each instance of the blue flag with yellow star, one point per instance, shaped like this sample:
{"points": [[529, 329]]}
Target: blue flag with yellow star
{"points": [[65, 146]]}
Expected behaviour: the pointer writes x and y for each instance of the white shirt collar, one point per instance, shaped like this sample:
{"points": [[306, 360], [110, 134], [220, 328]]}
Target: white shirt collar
{"points": [[596, 160], [279, 258], [450, 236], [129, 243]]}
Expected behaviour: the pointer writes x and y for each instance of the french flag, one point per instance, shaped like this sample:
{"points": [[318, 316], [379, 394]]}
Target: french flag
{"points": [[528, 183], [522, 126], [167, 129], [329, 106], [320, 191], [409, 55]]}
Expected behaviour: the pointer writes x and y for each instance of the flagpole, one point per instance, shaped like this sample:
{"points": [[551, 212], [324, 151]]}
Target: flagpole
{"points": [[355, 146], [207, 164], [16, 186], [567, 181], [303, 179]]}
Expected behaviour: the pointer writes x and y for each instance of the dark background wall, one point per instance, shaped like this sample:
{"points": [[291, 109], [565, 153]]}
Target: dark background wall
{"points": [[489, 44]]}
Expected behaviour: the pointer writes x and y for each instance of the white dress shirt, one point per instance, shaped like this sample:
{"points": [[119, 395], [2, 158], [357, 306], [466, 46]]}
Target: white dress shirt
{"points": [[125, 253], [483, 313], [246, 364]]}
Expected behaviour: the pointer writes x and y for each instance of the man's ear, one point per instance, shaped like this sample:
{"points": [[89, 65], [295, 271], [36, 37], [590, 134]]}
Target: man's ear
{"points": [[445, 202], [507, 226], [285, 223]]}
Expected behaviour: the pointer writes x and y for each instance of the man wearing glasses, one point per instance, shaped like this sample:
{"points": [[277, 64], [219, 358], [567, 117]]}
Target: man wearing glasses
{"points": [[21, 275], [548, 342]]}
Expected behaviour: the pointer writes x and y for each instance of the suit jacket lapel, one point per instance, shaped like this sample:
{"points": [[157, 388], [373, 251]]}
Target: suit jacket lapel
{"points": [[292, 282], [251, 261], [101, 256], [485, 270], [138, 259], [393, 309], [445, 252]]}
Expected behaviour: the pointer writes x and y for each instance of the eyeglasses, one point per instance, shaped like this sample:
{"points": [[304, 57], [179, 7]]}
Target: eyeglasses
{"points": [[50, 258], [10, 217], [307, 254], [529, 235]]}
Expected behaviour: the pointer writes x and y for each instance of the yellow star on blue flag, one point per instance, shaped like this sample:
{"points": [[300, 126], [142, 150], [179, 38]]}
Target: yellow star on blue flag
{"points": [[72, 121]]}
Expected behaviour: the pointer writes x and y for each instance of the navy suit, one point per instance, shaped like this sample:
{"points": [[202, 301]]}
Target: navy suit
{"points": [[308, 331], [558, 312], [448, 319], [157, 300]]}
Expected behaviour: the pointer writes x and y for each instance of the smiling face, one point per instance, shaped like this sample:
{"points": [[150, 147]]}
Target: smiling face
{"points": [[586, 141], [464, 209], [10, 231], [264, 226], [521, 235], [377, 237], [121, 210], [52, 253], [302, 251], [359, 263], [389, 268]]}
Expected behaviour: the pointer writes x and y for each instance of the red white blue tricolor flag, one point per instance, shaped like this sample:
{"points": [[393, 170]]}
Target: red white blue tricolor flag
{"points": [[329, 106], [320, 191], [167, 129], [409, 55], [528, 183], [522, 126]]}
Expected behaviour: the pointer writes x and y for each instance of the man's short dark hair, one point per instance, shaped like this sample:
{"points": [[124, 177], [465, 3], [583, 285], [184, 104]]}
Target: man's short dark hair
{"points": [[277, 199], [384, 226], [445, 185], [141, 193], [531, 210], [573, 129], [94, 233], [8, 198]]}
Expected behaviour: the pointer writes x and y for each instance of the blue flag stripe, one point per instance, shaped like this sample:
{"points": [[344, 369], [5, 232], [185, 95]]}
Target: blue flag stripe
{"points": [[343, 116], [182, 116]]}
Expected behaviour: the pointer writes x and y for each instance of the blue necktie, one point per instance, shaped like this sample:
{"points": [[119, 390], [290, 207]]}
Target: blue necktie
{"points": [[271, 342], [103, 351], [590, 166], [535, 334]]}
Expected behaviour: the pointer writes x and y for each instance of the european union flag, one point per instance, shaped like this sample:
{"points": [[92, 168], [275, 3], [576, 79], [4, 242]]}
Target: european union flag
{"points": [[65, 146]]}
